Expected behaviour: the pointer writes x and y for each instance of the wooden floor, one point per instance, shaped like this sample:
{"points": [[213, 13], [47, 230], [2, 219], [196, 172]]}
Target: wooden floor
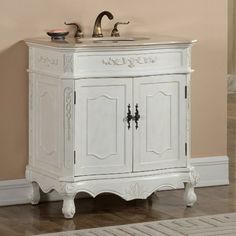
{"points": [[109, 210]]}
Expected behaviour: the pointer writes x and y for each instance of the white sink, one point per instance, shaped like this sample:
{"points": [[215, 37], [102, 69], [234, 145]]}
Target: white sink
{"points": [[111, 39]]}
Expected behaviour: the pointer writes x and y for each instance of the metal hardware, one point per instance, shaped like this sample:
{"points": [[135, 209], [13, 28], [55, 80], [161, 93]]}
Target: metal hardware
{"points": [[129, 116], [186, 149], [78, 32], [97, 29], [115, 31], [74, 157], [136, 116], [186, 91], [74, 97]]}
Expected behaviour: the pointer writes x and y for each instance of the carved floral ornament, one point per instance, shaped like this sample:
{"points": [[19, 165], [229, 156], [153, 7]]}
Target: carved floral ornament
{"points": [[47, 61], [136, 191], [194, 176], [129, 61]]}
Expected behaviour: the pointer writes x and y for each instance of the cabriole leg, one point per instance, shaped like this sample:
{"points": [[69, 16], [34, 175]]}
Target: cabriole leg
{"points": [[68, 208], [35, 197], [189, 195]]}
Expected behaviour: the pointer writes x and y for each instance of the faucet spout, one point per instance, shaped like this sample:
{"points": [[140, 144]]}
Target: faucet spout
{"points": [[97, 30]]}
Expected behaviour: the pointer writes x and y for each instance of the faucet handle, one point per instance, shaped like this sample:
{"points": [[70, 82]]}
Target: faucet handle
{"points": [[115, 31], [78, 32]]}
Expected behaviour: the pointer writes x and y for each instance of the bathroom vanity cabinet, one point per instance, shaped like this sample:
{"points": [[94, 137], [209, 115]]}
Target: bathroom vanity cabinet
{"points": [[109, 117]]}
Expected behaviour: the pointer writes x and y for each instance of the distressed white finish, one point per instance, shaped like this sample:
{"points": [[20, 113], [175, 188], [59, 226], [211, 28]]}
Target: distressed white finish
{"points": [[35, 196], [103, 144], [213, 171], [79, 137], [160, 139]]}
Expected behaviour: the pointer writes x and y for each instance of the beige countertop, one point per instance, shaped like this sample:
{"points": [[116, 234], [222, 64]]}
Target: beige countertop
{"points": [[69, 43]]}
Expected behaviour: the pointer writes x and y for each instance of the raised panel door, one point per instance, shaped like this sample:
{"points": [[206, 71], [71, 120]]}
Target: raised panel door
{"points": [[159, 140], [47, 123], [103, 143]]}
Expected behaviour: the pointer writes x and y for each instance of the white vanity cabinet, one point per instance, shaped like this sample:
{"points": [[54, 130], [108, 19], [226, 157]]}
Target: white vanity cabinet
{"points": [[109, 117]]}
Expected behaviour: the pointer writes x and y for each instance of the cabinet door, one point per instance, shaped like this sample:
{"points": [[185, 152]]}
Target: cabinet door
{"points": [[103, 142], [159, 140]]}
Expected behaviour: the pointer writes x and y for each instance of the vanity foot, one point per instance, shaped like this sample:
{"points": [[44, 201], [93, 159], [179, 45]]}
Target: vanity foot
{"points": [[189, 195], [35, 197], [68, 208]]}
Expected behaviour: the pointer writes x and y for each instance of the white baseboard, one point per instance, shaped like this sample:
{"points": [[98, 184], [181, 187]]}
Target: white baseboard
{"points": [[231, 81], [14, 192], [213, 171]]}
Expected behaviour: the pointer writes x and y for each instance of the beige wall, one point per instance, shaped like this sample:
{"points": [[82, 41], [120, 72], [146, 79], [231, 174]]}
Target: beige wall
{"points": [[231, 35], [205, 20]]}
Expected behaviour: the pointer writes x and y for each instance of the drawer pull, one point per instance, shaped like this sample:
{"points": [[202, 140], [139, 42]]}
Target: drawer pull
{"points": [[129, 116], [136, 116]]}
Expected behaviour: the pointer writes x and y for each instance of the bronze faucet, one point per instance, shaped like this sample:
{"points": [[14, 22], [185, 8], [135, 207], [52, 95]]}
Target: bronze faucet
{"points": [[97, 30], [115, 31], [78, 32]]}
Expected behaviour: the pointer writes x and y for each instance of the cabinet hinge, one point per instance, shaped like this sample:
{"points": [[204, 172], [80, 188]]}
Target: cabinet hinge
{"points": [[74, 157], [186, 92], [74, 97], [186, 149]]}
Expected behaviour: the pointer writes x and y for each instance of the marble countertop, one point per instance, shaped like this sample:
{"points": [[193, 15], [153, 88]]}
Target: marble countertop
{"points": [[69, 43]]}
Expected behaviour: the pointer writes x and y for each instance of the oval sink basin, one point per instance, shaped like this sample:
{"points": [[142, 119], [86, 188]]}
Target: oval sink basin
{"points": [[112, 39]]}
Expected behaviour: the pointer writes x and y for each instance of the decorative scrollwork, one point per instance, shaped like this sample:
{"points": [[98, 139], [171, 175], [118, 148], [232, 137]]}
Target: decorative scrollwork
{"points": [[48, 61], [136, 191], [194, 176], [130, 61], [68, 188], [68, 96], [68, 63]]}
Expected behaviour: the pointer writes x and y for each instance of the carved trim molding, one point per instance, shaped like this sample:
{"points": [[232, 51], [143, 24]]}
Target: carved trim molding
{"points": [[68, 98], [68, 63], [131, 62]]}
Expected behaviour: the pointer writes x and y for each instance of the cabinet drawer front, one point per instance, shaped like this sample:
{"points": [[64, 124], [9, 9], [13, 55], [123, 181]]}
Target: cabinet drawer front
{"points": [[102, 140], [159, 141], [123, 63], [132, 63]]}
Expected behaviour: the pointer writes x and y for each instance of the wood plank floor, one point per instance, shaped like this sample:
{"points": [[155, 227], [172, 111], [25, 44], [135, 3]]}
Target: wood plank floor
{"points": [[109, 210]]}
